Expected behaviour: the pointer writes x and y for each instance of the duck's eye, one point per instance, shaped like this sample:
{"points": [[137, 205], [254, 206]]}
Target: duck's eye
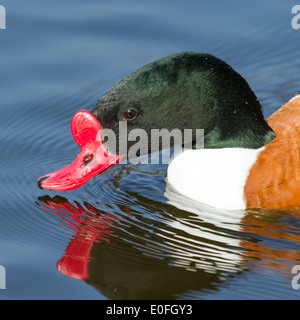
{"points": [[87, 159], [130, 114]]}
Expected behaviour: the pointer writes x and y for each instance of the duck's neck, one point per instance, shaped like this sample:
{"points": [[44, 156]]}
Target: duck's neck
{"points": [[213, 176]]}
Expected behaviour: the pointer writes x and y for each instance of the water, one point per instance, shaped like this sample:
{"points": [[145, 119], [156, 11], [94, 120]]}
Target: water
{"points": [[119, 237]]}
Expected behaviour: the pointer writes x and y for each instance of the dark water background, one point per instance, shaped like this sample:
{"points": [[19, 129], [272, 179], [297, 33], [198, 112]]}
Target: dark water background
{"points": [[119, 231]]}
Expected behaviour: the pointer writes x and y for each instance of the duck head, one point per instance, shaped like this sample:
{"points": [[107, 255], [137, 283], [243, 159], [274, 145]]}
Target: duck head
{"points": [[183, 91]]}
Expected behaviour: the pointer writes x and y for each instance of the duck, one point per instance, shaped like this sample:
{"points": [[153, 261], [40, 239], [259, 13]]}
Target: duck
{"points": [[246, 161]]}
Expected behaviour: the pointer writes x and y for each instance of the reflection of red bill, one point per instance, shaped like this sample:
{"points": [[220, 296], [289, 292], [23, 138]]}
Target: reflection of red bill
{"points": [[92, 159], [89, 229], [75, 261]]}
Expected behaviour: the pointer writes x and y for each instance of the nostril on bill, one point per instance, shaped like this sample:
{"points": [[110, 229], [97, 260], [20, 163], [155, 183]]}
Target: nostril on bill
{"points": [[40, 181]]}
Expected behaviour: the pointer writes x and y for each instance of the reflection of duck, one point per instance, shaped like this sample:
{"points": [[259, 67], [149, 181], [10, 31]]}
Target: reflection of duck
{"points": [[127, 255], [138, 258], [242, 165]]}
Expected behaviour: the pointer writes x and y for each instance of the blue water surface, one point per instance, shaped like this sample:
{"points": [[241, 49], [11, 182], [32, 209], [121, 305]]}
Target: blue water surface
{"points": [[118, 237]]}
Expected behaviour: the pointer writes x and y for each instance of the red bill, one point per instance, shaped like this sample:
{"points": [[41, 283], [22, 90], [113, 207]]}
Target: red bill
{"points": [[91, 160]]}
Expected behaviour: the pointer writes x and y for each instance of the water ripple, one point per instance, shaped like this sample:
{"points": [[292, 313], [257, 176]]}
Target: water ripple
{"points": [[129, 234]]}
